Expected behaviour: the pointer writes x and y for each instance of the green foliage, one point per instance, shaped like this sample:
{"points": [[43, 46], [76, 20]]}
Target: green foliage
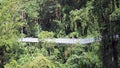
{"points": [[88, 60], [74, 34], [30, 8], [56, 19], [115, 15], [9, 26], [8, 23], [28, 58], [82, 21], [107, 14], [84, 56], [29, 14], [46, 34], [12, 64], [40, 62]]}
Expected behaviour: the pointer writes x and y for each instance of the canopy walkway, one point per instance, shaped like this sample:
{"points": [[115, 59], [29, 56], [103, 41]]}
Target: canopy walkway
{"points": [[65, 40], [61, 40]]}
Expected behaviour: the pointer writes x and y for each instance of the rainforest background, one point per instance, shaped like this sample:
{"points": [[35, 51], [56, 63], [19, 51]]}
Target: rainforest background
{"points": [[59, 19]]}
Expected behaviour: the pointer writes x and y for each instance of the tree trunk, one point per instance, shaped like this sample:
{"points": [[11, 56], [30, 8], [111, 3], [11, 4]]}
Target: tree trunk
{"points": [[115, 53], [110, 55], [2, 51]]}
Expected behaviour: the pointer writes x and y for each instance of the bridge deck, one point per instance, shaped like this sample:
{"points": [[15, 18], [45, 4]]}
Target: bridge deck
{"points": [[60, 40], [65, 40]]}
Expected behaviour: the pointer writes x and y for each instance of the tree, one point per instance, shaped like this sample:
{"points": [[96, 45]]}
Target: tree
{"points": [[82, 21], [105, 12], [30, 13], [9, 26]]}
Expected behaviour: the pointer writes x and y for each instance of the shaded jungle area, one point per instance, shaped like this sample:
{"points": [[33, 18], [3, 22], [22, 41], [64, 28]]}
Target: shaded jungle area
{"points": [[59, 19]]}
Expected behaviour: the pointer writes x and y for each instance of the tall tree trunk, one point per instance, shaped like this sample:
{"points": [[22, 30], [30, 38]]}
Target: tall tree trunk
{"points": [[110, 54], [115, 53]]}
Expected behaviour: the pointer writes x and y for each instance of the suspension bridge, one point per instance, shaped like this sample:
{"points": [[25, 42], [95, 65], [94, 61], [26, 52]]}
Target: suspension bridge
{"points": [[64, 40], [60, 40]]}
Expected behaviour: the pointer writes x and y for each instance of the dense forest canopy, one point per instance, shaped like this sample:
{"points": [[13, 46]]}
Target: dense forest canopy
{"points": [[59, 19]]}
